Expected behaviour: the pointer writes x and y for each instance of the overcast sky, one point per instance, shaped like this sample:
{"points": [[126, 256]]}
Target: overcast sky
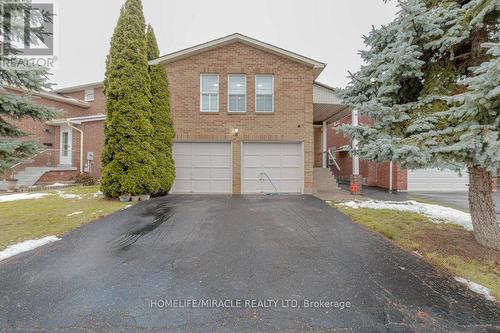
{"points": [[326, 30]]}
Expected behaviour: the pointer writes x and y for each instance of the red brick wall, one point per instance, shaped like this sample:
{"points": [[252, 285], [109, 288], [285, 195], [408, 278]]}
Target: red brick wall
{"points": [[292, 119], [372, 173], [97, 106], [93, 132], [318, 154], [35, 128], [93, 141], [56, 176]]}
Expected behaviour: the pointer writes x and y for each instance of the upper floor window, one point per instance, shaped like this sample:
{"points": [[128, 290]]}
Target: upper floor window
{"points": [[264, 93], [89, 94], [237, 88], [209, 93]]}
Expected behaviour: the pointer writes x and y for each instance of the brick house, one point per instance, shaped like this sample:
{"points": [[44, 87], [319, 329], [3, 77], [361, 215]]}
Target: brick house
{"points": [[388, 175], [243, 113], [54, 163], [249, 117]]}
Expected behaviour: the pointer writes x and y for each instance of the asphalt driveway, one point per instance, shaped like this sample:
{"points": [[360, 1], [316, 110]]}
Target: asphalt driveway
{"points": [[127, 271]]}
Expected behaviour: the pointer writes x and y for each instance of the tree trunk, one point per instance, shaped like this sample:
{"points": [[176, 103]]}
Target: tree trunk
{"points": [[482, 208]]}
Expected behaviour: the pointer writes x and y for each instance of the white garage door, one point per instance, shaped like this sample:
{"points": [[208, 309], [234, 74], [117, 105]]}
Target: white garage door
{"points": [[437, 180], [202, 167], [282, 162]]}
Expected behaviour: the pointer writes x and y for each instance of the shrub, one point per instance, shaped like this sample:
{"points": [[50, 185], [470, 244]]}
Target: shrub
{"points": [[85, 179]]}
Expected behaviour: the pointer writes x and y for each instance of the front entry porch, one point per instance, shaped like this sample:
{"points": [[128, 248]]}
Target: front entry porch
{"points": [[328, 109]]}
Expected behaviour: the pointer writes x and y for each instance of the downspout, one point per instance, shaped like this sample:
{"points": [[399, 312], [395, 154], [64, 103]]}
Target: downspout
{"points": [[81, 143], [324, 141], [355, 158]]}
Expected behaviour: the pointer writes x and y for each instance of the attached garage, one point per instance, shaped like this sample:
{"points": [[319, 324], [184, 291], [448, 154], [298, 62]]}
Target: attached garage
{"points": [[202, 167], [437, 180], [279, 163]]}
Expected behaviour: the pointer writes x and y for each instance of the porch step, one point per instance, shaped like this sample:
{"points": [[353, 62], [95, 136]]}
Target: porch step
{"points": [[324, 180]]}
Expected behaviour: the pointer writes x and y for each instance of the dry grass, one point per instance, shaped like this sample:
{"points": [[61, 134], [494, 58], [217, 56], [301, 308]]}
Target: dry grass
{"points": [[447, 246], [35, 218]]}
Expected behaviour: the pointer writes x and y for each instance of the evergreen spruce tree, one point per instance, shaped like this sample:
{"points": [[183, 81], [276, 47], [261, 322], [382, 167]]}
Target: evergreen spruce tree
{"points": [[128, 159], [160, 119], [13, 148], [431, 83]]}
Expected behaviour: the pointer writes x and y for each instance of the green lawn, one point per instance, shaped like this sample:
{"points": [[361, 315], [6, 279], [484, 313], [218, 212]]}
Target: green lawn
{"points": [[35, 218], [447, 246]]}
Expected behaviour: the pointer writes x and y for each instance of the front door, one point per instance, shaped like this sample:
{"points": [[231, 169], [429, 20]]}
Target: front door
{"points": [[65, 156]]}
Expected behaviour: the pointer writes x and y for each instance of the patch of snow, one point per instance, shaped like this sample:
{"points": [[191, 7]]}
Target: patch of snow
{"points": [[97, 194], [56, 184], [477, 288], [437, 214], [75, 213], [25, 246], [21, 196], [127, 206], [68, 195]]}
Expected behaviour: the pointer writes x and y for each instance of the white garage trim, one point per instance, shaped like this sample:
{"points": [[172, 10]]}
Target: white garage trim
{"points": [[293, 183], [435, 180], [203, 167]]}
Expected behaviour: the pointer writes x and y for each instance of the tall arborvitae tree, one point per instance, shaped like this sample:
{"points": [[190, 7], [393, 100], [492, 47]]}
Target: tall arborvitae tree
{"points": [[160, 119], [128, 156], [14, 106], [433, 90]]}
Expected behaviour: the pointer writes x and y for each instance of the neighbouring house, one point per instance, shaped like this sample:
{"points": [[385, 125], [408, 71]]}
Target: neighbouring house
{"points": [[249, 118], [388, 175], [64, 153]]}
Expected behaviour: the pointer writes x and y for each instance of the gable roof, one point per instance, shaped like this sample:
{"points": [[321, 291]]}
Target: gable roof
{"points": [[79, 87], [50, 96], [236, 37]]}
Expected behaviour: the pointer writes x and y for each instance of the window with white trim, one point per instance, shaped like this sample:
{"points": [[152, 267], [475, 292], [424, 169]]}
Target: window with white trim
{"points": [[264, 93], [237, 93], [89, 94], [209, 93]]}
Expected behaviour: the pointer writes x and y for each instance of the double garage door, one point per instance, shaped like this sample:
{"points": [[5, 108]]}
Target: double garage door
{"points": [[434, 180], [206, 167]]}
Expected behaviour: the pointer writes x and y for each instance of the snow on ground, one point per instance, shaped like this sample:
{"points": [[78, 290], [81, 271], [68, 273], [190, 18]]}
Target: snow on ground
{"points": [[56, 184], [68, 195], [75, 213], [436, 213], [477, 288], [25, 246], [21, 196], [97, 194]]}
